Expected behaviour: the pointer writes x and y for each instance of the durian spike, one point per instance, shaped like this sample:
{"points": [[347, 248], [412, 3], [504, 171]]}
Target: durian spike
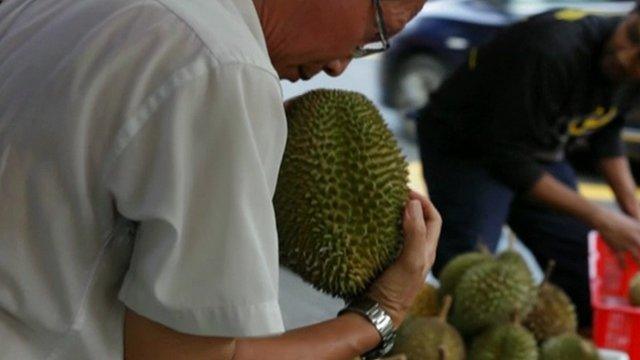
{"points": [[547, 273], [446, 306], [442, 355]]}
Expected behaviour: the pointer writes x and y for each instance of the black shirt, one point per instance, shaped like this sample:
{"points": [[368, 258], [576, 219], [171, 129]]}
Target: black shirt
{"points": [[520, 97]]}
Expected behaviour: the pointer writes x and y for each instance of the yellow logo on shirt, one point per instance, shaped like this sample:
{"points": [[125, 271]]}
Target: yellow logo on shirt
{"points": [[570, 14], [596, 120]]}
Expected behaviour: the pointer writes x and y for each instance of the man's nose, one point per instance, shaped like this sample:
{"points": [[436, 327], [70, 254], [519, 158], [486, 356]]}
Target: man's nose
{"points": [[336, 67]]}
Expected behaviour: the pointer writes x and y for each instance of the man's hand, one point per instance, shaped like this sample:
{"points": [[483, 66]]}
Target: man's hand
{"points": [[621, 232], [397, 287]]}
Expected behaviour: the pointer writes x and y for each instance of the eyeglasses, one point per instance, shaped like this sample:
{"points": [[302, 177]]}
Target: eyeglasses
{"points": [[378, 46]]}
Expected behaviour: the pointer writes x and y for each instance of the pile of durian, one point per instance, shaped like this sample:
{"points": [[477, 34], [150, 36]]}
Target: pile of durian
{"points": [[497, 313]]}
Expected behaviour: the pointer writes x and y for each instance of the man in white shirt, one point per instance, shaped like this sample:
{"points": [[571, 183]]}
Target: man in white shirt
{"points": [[139, 149]]}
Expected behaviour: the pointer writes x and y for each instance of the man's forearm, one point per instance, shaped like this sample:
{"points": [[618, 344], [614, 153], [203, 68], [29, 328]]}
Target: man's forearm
{"points": [[562, 198], [344, 337], [617, 173]]}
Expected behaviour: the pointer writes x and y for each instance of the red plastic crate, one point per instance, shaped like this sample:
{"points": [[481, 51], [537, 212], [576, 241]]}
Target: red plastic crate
{"points": [[616, 324]]}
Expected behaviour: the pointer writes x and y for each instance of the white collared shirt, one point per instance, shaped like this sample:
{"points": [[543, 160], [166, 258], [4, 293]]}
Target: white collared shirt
{"points": [[162, 115]]}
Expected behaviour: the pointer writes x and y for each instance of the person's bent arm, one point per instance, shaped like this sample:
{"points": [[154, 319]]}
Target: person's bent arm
{"points": [[344, 337], [617, 173], [620, 231]]}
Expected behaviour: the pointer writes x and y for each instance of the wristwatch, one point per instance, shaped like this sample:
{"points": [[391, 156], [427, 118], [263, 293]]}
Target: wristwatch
{"points": [[372, 311]]}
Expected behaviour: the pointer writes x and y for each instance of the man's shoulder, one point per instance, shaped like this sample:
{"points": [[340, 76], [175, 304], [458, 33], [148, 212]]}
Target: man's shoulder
{"points": [[228, 29]]}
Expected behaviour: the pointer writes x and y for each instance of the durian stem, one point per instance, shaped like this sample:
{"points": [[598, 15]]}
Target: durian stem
{"points": [[512, 239], [482, 247], [446, 306], [550, 267]]}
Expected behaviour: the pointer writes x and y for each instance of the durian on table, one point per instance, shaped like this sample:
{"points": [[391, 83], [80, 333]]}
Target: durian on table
{"points": [[341, 192], [568, 346], [430, 338], [553, 312], [505, 341], [426, 302], [489, 293]]}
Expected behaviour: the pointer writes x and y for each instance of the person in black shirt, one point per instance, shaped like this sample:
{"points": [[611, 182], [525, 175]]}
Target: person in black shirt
{"points": [[493, 137]]}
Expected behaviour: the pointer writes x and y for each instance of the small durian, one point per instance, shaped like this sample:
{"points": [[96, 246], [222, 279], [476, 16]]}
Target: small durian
{"points": [[341, 192], [452, 272], [634, 290], [511, 255], [426, 302], [568, 347], [553, 312], [508, 341], [488, 294], [429, 338]]}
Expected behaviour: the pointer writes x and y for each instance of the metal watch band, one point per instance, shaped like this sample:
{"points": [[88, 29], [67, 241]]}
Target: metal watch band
{"points": [[372, 311]]}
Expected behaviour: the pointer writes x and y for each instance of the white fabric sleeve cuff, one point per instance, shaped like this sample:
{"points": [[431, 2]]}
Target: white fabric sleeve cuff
{"points": [[245, 320]]}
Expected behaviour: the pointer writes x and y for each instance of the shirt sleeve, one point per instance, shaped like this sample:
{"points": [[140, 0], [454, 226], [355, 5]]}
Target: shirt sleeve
{"points": [[529, 88], [607, 142], [197, 168]]}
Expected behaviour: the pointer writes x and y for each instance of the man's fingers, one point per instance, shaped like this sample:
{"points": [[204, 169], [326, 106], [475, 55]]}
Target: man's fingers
{"points": [[430, 212], [422, 228], [415, 229]]}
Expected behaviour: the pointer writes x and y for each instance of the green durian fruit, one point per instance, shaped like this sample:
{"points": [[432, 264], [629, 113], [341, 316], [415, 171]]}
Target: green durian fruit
{"points": [[488, 294], [568, 347], [429, 338], [553, 313], [452, 272], [508, 341], [341, 192], [512, 256], [634, 290], [426, 302]]}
